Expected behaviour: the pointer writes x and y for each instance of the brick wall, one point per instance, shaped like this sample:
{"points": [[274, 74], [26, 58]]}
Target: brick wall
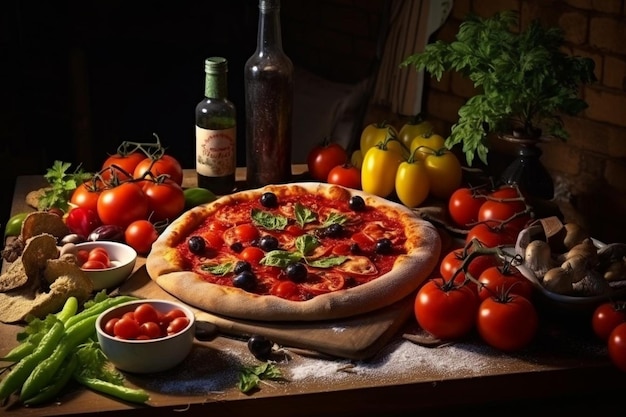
{"points": [[589, 169]]}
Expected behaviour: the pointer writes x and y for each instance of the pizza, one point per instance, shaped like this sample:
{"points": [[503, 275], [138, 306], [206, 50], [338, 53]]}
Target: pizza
{"points": [[294, 252]]}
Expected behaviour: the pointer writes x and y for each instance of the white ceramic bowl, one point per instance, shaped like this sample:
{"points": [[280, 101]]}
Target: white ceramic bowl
{"points": [[151, 355], [122, 257]]}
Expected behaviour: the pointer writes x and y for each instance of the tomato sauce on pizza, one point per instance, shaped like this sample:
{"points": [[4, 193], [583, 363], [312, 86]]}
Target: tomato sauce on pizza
{"points": [[303, 246]]}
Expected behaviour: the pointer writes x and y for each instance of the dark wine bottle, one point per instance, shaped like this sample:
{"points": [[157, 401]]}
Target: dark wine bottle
{"points": [[216, 131]]}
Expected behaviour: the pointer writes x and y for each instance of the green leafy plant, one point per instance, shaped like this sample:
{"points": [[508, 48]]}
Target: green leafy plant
{"points": [[525, 81], [62, 184]]}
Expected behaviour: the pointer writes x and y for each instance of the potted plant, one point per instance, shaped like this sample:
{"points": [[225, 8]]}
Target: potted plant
{"points": [[524, 80]]}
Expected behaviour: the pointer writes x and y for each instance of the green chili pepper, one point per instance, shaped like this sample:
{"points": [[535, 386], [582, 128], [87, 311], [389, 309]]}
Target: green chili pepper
{"points": [[62, 378], [98, 308], [45, 370], [23, 349], [14, 380], [118, 391], [69, 309]]}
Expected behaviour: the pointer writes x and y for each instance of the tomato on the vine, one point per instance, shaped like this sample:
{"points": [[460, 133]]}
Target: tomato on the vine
{"points": [[123, 204], [606, 317], [507, 323], [617, 346], [126, 162], [463, 206], [86, 195], [498, 280], [503, 204], [140, 235], [346, 175], [82, 221], [163, 165], [166, 199], [323, 158], [446, 310], [454, 259], [492, 236]]}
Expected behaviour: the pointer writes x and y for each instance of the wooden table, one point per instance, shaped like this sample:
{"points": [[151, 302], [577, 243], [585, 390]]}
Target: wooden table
{"points": [[565, 370]]}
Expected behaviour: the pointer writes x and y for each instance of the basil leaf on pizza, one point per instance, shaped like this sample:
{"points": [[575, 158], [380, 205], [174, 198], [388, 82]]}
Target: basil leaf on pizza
{"points": [[310, 256]]}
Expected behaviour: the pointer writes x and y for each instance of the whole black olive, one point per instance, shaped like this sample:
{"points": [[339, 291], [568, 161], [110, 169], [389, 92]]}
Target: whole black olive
{"points": [[245, 280], [296, 272], [334, 230], [383, 246], [356, 203], [236, 247], [241, 266], [269, 200], [196, 244], [268, 243], [260, 347]]}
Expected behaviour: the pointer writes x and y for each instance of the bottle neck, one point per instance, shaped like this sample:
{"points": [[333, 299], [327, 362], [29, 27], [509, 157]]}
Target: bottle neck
{"points": [[269, 34], [215, 85]]}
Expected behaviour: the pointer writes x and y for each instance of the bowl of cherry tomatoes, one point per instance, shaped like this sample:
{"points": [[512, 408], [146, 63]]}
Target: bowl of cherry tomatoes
{"points": [[146, 335], [106, 263]]}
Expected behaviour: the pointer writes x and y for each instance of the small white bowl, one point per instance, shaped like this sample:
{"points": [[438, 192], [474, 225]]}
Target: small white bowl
{"points": [[122, 257], [146, 356]]}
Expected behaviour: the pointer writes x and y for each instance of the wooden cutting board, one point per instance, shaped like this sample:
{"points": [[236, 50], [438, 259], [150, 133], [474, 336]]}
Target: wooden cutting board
{"points": [[358, 337]]}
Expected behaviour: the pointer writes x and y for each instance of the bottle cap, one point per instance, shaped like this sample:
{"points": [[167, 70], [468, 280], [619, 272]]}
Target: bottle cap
{"points": [[215, 65]]}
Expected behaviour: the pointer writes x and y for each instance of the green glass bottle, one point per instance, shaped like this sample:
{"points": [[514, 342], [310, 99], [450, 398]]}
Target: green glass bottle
{"points": [[216, 131]]}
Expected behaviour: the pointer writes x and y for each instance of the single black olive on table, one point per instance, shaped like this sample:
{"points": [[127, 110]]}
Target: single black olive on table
{"points": [[245, 280], [269, 200], [205, 330], [260, 347], [196, 244]]}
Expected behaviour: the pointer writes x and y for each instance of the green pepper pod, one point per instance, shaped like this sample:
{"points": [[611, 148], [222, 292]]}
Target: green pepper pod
{"points": [[98, 308], [19, 374], [62, 378], [117, 391], [69, 309]]}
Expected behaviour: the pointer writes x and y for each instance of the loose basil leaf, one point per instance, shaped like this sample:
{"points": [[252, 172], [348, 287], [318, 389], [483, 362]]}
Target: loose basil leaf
{"points": [[335, 218], [268, 220], [306, 243], [304, 215], [280, 258], [219, 269], [328, 262]]}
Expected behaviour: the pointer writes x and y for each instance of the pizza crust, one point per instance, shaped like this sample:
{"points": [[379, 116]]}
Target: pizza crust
{"points": [[409, 271]]}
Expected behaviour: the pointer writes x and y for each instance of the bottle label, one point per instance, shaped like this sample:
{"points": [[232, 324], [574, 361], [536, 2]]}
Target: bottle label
{"points": [[215, 152]]}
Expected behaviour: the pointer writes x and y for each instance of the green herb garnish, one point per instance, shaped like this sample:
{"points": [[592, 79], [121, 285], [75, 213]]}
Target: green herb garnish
{"points": [[61, 185], [268, 220], [251, 376]]}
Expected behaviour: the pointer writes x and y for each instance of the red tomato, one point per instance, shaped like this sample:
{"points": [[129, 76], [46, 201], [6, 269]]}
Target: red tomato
{"points": [[99, 256], [346, 175], [214, 239], [140, 235], [322, 159], [447, 312], [123, 204], [166, 199], [492, 236], [252, 254], [285, 289], [617, 346], [507, 323], [127, 163], [246, 232], [126, 328], [93, 265], [146, 313], [497, 208], [165, 165], [454, 260], [82, 221], [172, 314], [498, 280], [86, 196], [177, 325], [82, 255], [150, 329], [464, 205], [606, 317], [109, 326]]}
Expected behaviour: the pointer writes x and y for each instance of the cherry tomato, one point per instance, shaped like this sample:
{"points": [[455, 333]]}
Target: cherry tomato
{"points": [[172, 314], [606, 317], [496, 207], [99, 256], [285, 289], [375, 133], [123, 204], [346, 175], [463, 206], [323, 158], [86, 196], [82, 221], [127, 162], [507, 323], [447, 312], [126, 328], [150, 330], [166, 199], [93, 265], [214, 239], [246, 232], [82, 255], [177, 325], [454, 259], [165, 165], [146, 313], [140, 235], [252, 254], [110, 325], [492, 236], [497, 280], [617, 346]]}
